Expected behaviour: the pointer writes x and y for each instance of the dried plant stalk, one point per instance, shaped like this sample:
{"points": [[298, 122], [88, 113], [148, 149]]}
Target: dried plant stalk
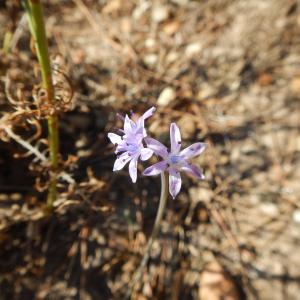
{"points": [[37, 27]]}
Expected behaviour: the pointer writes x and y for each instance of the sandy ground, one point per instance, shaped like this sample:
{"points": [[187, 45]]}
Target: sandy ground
{"points": [[228, 73]]}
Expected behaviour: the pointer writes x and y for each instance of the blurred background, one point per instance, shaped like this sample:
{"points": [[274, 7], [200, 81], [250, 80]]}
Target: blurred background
{"points": [[227, 72]]}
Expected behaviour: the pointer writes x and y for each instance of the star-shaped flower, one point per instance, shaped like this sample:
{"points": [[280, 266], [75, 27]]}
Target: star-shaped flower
{"points": [[129, 146], [174, 161]]}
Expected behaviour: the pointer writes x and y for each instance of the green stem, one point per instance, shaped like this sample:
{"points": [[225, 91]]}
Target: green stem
{"points": [[6, 41], [37, 27], [156, 227]]}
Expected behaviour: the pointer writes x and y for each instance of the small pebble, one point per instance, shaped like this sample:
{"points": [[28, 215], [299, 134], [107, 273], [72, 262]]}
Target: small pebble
{"points": [[159, 13], [296, 216], [193, 48], [150, 43], [269, 209], [150, 59], [166, 96]]}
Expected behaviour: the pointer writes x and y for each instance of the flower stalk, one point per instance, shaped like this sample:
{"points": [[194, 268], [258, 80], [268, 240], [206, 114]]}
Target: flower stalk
{"points": [[156, 227], [37, 28]]}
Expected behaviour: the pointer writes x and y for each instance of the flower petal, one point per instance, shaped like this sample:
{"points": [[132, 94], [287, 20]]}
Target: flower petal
{"points": [[121, 147], [121, 161], [156, 169], [193, 170], [146, 153], [175, 138], [129, 126], [193, 150], [148, 113], [157, 147], [114, 138], [133, 169], [174, 182]]}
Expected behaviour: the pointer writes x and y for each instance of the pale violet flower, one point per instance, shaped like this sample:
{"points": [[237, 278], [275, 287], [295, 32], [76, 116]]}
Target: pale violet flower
{"points": [[174, 161], [129, 145]]}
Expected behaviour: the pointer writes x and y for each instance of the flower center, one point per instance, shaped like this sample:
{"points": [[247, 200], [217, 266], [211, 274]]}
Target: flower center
{"points": [[175, 159], [132, 148]]}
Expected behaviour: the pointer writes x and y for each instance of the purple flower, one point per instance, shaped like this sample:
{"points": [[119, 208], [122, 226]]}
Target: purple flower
{"points": [[174, 161], [129, 146]]}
